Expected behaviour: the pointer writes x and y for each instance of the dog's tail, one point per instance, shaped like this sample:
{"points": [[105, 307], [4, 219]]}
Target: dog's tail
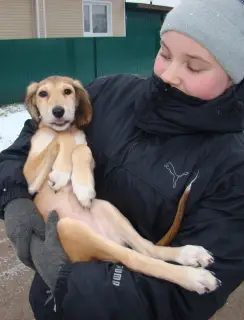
{"points": [[170, 235], [37, 169]]}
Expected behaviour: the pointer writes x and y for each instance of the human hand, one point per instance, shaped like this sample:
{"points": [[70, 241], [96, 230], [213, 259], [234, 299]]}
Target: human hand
{"points": [[21, 221], [48, 256]]}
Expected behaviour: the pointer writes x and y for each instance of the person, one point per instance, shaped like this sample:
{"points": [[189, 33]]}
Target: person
{"points": [[150, 136]]}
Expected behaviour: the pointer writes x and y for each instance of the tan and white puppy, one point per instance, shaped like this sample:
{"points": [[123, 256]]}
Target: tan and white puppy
{"points": [[60, 106]]}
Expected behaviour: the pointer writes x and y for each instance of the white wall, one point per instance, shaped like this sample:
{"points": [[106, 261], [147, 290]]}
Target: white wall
{"points": [[139, 1], [169, 3]]}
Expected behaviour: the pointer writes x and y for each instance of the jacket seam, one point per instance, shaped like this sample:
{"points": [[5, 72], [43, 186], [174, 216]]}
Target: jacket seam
{"points": [[103, 152], [134, 174], [149, 184]]}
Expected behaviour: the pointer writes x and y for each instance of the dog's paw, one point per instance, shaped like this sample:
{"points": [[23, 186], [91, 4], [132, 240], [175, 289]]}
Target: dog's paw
{"points": [[199, 280], [58, 179], [32, 189], [85, 194], [194, 256]]}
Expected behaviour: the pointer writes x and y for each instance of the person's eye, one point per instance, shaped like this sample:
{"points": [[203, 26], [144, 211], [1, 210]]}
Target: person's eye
{"points": [[193, 70], [166, 56]]}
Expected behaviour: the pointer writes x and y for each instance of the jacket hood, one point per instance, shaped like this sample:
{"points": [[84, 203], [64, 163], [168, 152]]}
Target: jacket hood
{"points": [[162, 109]]}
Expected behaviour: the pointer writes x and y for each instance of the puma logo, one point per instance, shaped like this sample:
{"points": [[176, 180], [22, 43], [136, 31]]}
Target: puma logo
{"points": [[176, 177]]}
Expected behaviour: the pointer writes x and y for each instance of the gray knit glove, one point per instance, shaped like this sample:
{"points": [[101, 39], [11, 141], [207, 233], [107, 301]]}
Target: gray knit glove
{"points": [[48, 256], [21, 221]]}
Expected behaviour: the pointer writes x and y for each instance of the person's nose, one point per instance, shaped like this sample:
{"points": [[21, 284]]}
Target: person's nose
{"points": [[171, 74]]}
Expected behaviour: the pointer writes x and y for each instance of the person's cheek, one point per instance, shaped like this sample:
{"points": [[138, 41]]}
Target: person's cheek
{"points": [[213, 84], [211, 88], [197, 86], [158, 65]]}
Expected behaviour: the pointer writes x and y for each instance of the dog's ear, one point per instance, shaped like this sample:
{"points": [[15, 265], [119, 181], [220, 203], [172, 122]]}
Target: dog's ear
{"points": [[30, 101], [83, 113]]}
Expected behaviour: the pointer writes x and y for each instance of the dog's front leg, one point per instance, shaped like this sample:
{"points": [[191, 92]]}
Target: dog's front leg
{"points": [[60, 175], [82, 174], [43, 152]]}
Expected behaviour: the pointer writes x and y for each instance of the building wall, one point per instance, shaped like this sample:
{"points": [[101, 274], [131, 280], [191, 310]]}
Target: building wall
{"points": [[118, 16], [40, 11], [64, 18], [17, 19], [20, 19]]}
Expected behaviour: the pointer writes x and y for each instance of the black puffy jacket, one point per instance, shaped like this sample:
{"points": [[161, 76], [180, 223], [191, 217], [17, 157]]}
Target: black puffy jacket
{"points": [[149, 141]]}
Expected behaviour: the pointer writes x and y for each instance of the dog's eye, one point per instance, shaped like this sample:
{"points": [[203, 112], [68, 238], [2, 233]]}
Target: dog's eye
{"points": [[67, 91], [43, 94]]}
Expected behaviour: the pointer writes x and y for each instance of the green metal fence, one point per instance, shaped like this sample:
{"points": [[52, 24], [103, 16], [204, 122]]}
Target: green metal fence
{"points": [[23, 61]]}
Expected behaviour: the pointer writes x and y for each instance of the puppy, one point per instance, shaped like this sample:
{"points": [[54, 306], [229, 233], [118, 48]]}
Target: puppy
{"points": [[59, 169], [60, 106]]}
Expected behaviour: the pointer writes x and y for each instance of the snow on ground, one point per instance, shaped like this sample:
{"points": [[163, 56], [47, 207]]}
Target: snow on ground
{"points": [[12, 118]]}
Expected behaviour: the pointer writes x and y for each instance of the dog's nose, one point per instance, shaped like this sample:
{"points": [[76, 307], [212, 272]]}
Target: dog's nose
{"points": [[58, 112]]}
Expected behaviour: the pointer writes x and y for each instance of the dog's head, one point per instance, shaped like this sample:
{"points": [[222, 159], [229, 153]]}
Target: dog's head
{"points": [[58, 102]]}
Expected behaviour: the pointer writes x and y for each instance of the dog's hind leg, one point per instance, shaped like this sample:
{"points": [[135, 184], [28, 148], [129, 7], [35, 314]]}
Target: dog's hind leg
{"points": [[186, 255], [81, 243]]}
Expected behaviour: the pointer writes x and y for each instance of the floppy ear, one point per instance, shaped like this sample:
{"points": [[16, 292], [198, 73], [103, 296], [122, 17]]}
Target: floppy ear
{"points": [[83, 113], [30, 101]]}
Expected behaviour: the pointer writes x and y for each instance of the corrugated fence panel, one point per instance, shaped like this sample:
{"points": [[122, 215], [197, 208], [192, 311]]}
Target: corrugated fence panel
{"points": [[23, 61], [136, 52], [84, 59]]}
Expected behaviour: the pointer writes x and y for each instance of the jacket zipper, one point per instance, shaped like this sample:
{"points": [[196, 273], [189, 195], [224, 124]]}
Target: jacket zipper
{"points": [[128, 151]]}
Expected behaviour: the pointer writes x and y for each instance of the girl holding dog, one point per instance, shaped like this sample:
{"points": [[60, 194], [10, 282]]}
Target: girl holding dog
{"points": [[149, 138]]}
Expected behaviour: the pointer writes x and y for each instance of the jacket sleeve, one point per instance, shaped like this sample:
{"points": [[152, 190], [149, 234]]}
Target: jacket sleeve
{"points": [[96, 87], [99, 290], [12, 181]]}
